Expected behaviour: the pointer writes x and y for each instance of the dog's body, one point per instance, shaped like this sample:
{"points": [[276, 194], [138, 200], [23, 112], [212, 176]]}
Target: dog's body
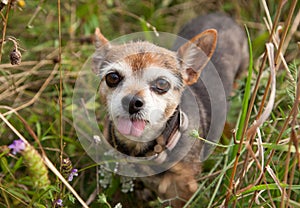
{"points": [[142, 85]]}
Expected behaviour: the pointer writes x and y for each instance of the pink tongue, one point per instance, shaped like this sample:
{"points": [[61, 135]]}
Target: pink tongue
{"points": [[127, 127]]}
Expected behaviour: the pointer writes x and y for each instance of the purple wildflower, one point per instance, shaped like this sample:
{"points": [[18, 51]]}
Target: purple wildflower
{"points": [[59, 202], [17, 146], [72, 174]]}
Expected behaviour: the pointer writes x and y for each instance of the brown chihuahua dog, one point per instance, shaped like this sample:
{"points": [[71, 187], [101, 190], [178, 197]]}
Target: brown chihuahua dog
{"points": [[143, 86]]}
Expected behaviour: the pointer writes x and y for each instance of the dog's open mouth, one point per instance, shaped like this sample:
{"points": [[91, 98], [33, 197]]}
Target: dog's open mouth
{"points": [[132, 127]]}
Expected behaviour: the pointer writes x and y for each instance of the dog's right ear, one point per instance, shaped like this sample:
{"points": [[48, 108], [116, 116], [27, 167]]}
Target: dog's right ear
{"points": [[102, 45], [100, 40]]}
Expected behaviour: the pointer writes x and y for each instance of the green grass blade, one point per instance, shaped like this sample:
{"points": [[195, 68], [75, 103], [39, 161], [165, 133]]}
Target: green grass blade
{"points": [[246, 98]]}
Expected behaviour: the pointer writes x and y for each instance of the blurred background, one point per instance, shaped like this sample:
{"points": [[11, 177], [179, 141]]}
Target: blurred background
{"points": [[53, 42]]}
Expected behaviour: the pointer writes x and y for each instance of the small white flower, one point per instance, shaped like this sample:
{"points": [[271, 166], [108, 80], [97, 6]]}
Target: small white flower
{"points": [[119, 205]]}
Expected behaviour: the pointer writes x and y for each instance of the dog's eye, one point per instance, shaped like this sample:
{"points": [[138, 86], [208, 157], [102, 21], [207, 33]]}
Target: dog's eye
{"points": [[160, 86], [113, 79]]}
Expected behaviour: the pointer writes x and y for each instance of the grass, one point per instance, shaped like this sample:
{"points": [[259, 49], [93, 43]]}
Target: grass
{"points": [[259, 169]]}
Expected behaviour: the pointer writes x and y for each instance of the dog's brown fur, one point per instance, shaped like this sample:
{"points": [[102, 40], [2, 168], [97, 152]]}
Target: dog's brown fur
{"points": [[178, 183]]}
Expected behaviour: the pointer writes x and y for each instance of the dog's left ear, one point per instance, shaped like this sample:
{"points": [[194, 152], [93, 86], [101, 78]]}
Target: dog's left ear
{"points": [[195, 54], [102, 46]]}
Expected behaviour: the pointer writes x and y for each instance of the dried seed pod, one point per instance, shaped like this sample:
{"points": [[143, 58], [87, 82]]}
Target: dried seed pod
{"points": [[15, 57], [66, 167]]}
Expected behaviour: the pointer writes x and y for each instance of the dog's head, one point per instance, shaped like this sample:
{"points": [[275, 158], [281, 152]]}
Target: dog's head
{"points": [[141, 83]]}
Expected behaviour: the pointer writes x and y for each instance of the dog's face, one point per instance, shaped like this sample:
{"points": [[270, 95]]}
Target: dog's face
{"points": [[141, 83]]}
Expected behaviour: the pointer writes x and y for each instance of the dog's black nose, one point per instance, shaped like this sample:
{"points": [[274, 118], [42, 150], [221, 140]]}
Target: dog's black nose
{"points": [[132, 103]]}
